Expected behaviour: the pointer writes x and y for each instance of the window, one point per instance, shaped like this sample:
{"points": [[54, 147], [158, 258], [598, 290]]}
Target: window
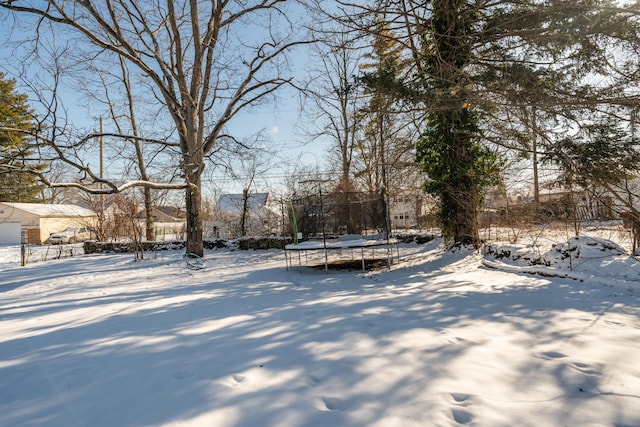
{"points": [[402, 199]]}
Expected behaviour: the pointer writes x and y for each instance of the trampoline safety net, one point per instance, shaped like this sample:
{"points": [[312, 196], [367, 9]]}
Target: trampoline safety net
{"points": [[336, 214]]}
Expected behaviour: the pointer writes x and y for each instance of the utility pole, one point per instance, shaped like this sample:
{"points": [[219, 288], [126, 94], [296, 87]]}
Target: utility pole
{"points": [[534, 149], [101, 177]]}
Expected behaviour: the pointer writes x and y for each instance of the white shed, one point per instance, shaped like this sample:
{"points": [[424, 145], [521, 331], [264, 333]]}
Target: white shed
{"points": [[39, 219]]}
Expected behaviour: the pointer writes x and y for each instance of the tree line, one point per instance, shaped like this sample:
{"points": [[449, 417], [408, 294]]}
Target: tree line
{"points": [[448, 93]]}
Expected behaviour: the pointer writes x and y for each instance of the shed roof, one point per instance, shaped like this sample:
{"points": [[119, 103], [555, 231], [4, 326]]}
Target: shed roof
{"points": [[48, 210]]}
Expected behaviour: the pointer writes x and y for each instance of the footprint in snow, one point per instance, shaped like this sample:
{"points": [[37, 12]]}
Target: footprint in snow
{"points": [[183, 372], [460, 398], [586, 369], [313, 381], [331, 404], [235, 380], [611, 322], [459, 410], [462, 416], [551, 355]]}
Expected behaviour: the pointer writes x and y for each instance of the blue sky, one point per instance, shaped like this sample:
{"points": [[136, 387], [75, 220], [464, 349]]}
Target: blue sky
{"points": [[280, 124]]}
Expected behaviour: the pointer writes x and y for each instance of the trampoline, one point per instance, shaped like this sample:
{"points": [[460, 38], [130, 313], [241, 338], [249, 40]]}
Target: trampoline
{"points": [[340, 222], [361, 245]]}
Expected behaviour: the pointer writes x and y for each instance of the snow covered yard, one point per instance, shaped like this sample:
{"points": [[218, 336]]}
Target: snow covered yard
{"points": [[440, 340]]}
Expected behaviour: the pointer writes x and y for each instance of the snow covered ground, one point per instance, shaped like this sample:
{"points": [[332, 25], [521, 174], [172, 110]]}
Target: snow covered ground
{"points": [[441, 339]]}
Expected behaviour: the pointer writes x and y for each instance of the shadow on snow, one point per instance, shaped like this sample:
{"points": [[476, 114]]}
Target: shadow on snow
{"points": [[256, 345]]}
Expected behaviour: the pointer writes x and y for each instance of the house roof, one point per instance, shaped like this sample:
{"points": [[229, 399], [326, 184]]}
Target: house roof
{"points": [[170, 211], [235, 202], [47, 210]]}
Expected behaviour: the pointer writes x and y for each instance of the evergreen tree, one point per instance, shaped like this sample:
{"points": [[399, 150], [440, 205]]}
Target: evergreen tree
{"points": [[380, 73], [602, 156], [469, 64], [17, 184], [601, 153], [457, 166]]}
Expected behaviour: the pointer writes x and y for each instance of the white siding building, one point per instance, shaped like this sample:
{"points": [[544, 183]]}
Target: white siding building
{"points": [[39, 220], [261, 216]]}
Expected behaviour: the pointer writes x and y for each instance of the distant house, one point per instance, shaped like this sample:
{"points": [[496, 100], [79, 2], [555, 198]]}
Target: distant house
{"points": [[38, 220], [169, 222], [555, 203], [245, 214], [407, 209]]}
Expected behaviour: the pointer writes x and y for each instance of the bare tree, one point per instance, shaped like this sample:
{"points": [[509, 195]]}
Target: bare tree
{"points": [[202, 62], [465, 60], [248, 170], [336, 96]]}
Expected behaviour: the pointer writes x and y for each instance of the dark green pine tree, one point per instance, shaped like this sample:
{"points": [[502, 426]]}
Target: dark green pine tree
{"points": [[16, 122], [458, 167], [603, 156], [599, 155], [470, 64]]}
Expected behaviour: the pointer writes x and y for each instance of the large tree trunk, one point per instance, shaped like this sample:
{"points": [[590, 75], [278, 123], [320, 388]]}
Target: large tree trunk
{"points": [[245, 210], [194, 216], [148, 211], [459, 213], [459, 187], [459, 197], [193, 167]]}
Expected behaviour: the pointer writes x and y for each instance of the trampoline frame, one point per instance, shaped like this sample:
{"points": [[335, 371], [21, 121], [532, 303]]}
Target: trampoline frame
{"points": [[339, 244]]}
